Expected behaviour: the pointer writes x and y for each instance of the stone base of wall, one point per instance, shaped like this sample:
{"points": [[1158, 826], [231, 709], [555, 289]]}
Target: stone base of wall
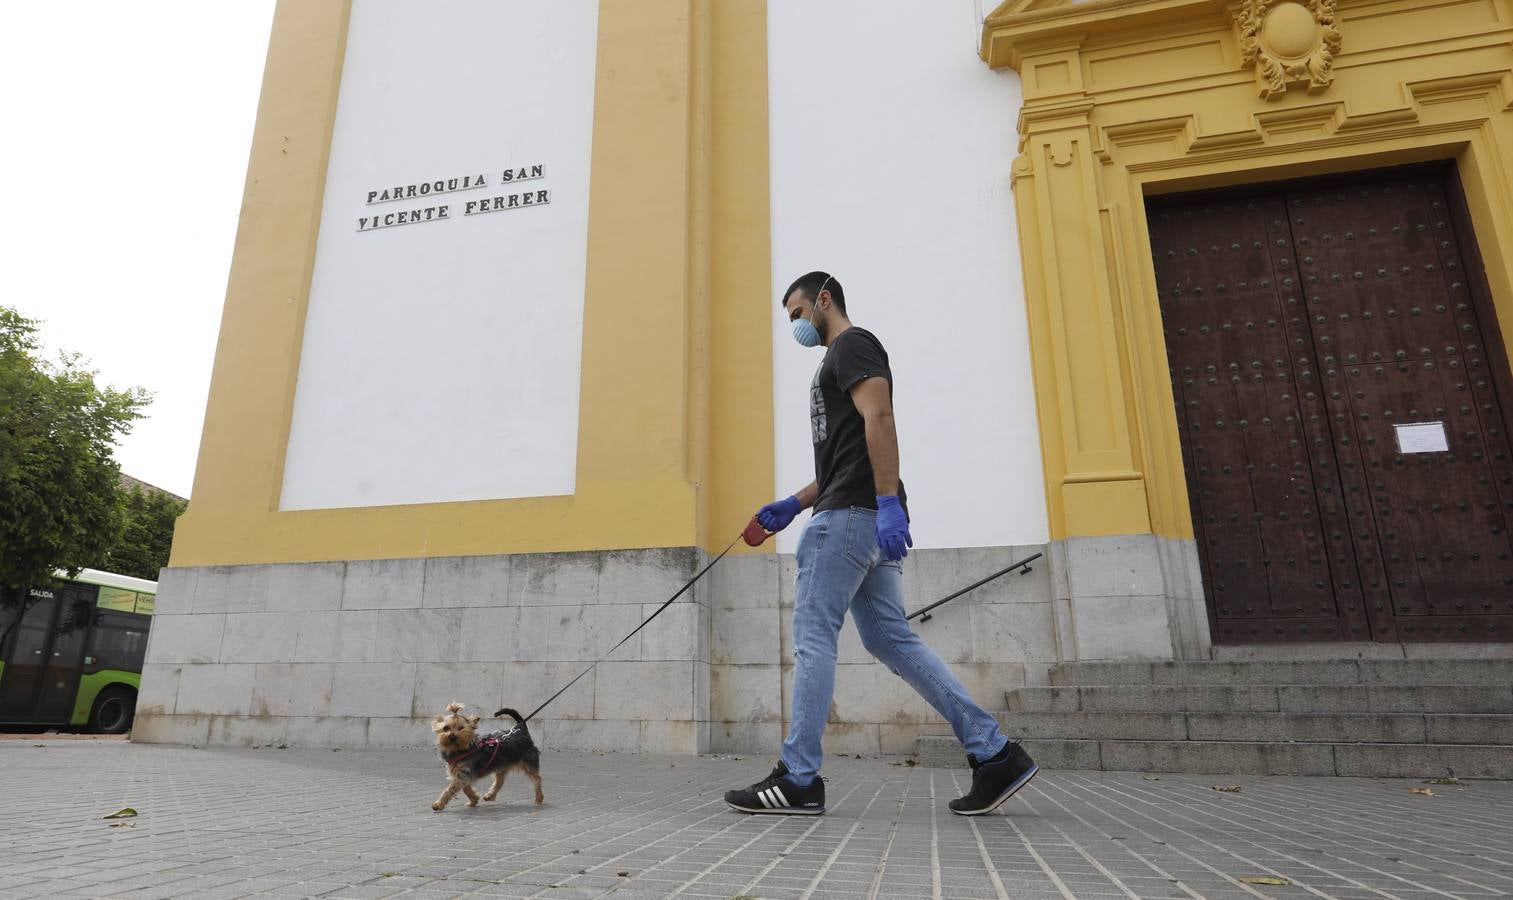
{"points": [[364, 653], [410, 733], [1129, 597], [1133, 597]]}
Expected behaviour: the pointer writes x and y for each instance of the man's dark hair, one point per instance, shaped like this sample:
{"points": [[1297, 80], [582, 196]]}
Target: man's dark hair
{"points": [[812, 284]]}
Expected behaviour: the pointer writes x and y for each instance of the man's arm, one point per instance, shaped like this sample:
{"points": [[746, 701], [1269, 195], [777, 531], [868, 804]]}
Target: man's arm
{"points": [[808, 495], [871, 398]]}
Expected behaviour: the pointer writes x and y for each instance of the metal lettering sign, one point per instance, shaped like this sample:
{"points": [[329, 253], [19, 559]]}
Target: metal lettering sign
{"points": [[1422, 437], [440, 212]]}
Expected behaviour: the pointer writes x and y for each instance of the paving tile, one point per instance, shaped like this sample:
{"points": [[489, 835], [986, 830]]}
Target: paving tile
{"points": [[226, 823]]}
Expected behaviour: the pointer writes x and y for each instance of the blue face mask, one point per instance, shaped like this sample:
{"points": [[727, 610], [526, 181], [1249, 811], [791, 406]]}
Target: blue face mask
{"points": [[803, 329], [805, 333]]}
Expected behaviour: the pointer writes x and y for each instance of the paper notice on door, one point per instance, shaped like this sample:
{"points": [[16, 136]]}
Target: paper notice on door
{"points": [[1422, 437]]}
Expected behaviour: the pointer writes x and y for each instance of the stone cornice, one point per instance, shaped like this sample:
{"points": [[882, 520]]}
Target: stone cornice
{"points": [[1018, 26]]}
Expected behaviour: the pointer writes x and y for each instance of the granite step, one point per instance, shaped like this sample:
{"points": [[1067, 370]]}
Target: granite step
{"points": [[1316, 699], [1469, 761], [1402, 672], [1388, 728]]}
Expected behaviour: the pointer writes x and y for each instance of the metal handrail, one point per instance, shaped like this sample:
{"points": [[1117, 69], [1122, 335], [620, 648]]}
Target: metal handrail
{"points": [[1023, 565]]}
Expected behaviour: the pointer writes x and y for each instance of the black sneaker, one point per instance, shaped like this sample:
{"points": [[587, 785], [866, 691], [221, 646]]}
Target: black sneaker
{"points": [[777, 795], [995, 781]]}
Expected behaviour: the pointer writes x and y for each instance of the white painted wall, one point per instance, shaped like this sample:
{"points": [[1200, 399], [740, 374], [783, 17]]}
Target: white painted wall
{"points": [[891, 151], [441, 359]]}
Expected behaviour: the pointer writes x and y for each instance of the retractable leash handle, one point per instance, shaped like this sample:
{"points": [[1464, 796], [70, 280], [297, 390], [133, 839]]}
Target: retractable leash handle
{"points": [[754, 535]]}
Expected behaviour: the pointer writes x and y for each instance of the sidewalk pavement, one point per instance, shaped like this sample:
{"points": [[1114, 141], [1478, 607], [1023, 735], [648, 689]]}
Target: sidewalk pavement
{"points": [[217, 823]]}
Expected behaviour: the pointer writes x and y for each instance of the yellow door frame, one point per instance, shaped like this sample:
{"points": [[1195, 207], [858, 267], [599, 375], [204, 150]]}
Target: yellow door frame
{"points": [[1126, 99]]}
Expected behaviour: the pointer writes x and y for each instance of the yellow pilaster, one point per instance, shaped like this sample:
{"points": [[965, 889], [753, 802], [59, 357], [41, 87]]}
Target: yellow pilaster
{"points": [[740, 297], [1094, 488]]}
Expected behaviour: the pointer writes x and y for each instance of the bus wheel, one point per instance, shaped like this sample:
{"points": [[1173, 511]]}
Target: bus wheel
{"points": [[113, 711]]}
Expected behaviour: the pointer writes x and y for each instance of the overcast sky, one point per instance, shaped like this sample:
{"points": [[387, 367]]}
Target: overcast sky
{"points": [[126, 129]]}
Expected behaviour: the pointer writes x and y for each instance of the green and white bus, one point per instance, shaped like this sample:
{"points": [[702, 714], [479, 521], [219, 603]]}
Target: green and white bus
{"points": [[71, 652]]}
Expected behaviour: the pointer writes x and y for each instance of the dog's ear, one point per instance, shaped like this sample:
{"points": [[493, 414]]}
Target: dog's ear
{"points": [[473, 720], [437, 723]]}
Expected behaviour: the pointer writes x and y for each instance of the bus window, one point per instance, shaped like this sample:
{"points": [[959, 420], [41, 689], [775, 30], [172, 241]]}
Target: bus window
{"points": [[26, 653], [64, 656], [11, 605], [120, 641], [75, 616], [14, 606]]}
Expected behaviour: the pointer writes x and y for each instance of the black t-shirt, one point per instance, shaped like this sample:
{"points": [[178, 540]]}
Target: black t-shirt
{"points": [[842, 469]]}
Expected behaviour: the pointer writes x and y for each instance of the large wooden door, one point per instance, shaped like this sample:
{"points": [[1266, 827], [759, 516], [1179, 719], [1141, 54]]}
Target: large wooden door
{"points": [[1337, 373]]}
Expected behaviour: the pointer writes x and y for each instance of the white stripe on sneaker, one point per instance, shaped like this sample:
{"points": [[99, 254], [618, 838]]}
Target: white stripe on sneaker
{"points": [[778, 792], [762, 795]]}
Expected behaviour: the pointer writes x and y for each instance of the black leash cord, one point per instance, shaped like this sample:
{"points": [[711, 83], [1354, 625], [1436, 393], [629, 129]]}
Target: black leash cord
{"points": [[681, 591]]}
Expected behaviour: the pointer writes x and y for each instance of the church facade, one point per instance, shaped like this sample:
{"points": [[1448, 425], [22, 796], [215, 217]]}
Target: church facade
{"points": [[1197, 313]]}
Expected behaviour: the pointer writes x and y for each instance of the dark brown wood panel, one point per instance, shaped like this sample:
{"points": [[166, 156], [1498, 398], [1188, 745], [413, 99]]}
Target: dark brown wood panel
{"points": [[1267, 504], [1401, 345], [1305, 324]]}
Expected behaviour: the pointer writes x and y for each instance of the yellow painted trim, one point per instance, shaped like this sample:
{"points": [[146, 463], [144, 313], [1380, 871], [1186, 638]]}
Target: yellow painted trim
{"points": [[739, 298], [675, 430], [1126, 99], [247, 416], [701, 65]]}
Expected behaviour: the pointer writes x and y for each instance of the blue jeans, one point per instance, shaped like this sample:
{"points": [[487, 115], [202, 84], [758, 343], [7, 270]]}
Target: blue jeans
{"points": [[840, 566]]}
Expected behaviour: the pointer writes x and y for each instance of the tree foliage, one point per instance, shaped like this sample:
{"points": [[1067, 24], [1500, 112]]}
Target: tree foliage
{"points": [[147, 537], [61, 505]]}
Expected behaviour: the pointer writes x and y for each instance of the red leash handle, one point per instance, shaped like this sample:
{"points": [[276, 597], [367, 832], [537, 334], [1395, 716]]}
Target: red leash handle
{"points": [[755, 534]]}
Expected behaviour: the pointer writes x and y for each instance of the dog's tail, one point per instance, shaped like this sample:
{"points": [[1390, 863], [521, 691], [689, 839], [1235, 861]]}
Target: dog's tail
{"points": [[511, 713]]}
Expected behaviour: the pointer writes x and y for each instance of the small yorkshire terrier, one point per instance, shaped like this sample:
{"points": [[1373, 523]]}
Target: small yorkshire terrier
{"points": [[470, 756]]}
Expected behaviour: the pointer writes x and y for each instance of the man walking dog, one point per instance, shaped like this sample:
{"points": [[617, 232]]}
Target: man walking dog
{"points": [[848, 557]]}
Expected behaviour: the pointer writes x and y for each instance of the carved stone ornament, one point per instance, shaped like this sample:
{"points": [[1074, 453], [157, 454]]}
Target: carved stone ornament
{"points": [[1289, 42]]}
